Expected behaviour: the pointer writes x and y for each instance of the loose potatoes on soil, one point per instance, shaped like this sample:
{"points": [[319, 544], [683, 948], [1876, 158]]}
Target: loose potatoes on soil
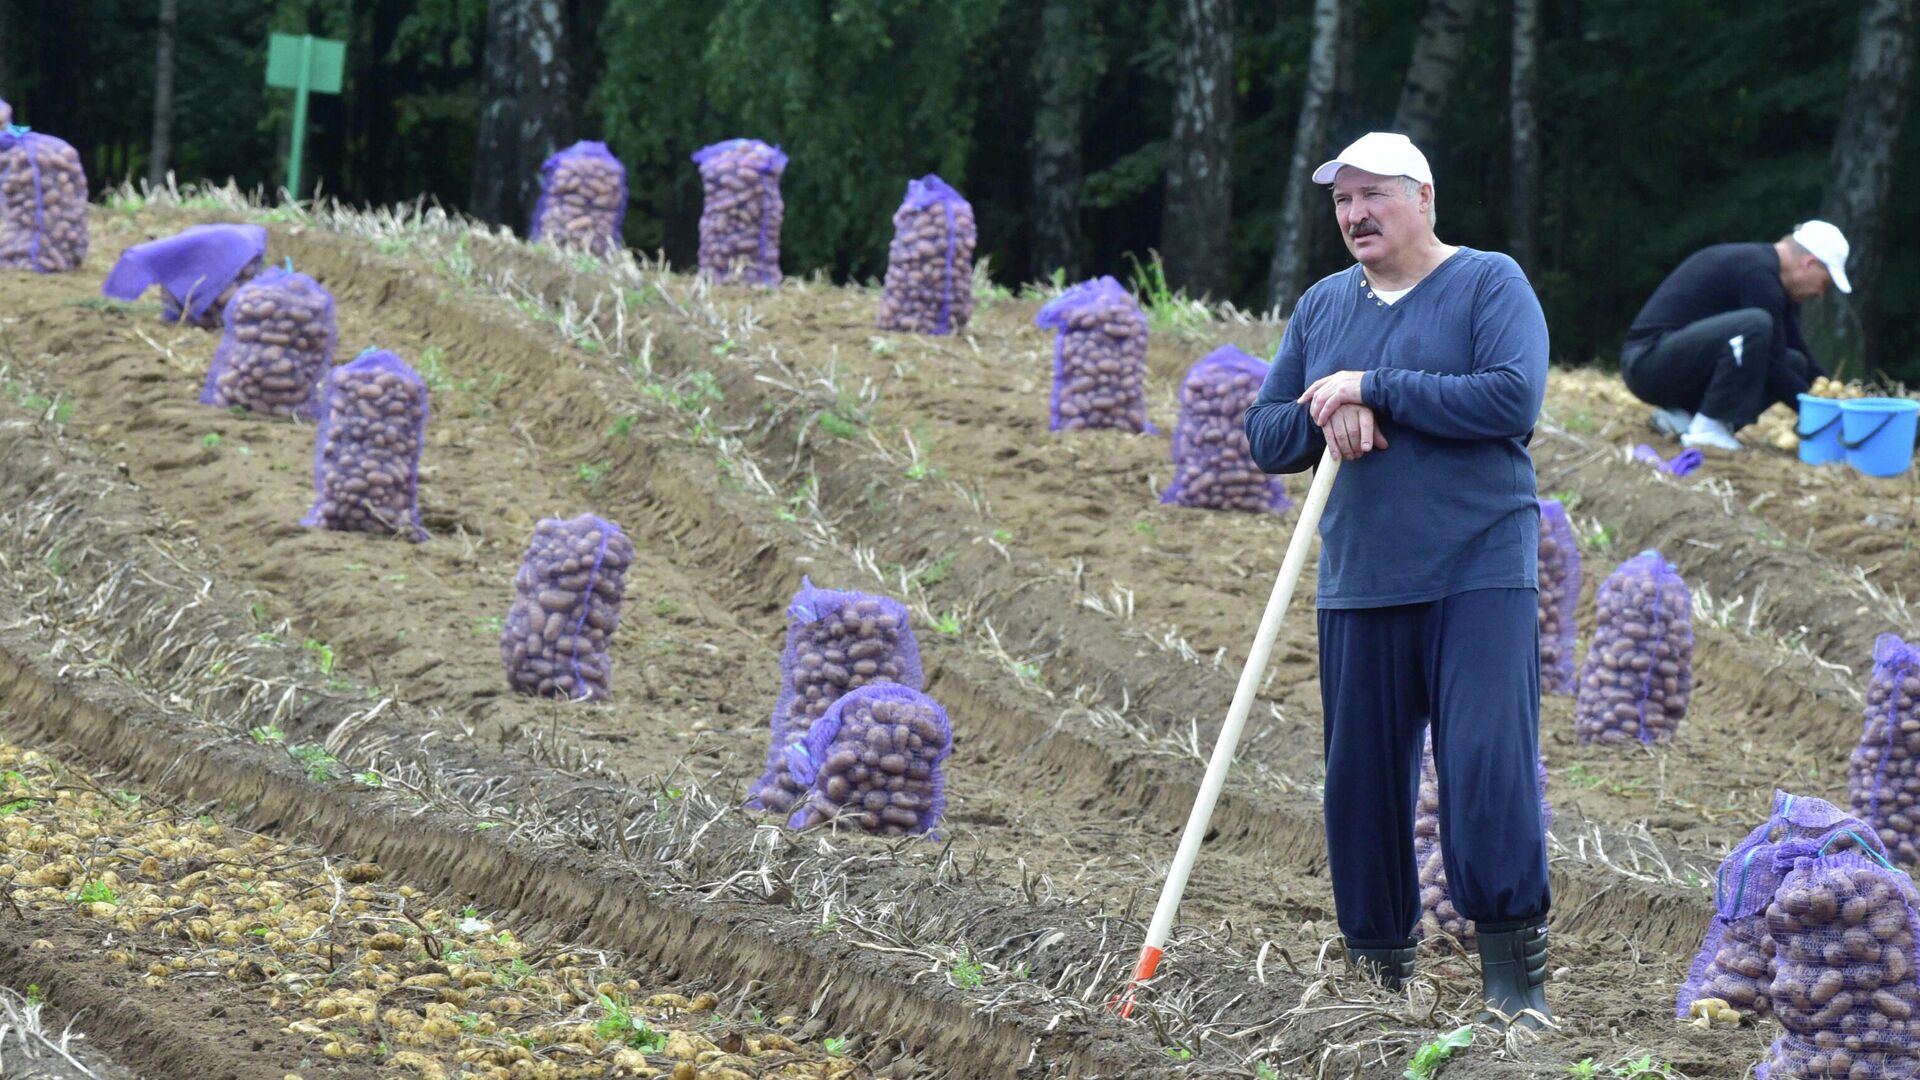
{"points": [[1212, 466], [276, 349], [1639, 672], [836, 642], [874, 761], [741, 218], [566, 607], [929, 287], [1883, 773], [43, 203], [366, 469], [583, 199], [1099, 358]]}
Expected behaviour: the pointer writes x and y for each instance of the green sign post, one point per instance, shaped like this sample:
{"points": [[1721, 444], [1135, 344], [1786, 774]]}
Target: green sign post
{"points": [[304, 64]]}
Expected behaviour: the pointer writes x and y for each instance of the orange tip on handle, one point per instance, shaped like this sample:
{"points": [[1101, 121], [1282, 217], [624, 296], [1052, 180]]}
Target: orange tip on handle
{"points": [[1142, 971]]}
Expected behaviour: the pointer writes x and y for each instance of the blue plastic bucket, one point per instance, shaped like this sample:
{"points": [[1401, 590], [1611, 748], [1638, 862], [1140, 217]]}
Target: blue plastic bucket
{"points": [[1819, 430], [1878, 434]]}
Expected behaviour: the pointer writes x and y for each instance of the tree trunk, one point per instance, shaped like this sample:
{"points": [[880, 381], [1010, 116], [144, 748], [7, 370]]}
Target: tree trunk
{"points": [[1523, 184], [1199, 210], [1284, 277], [160, 153], [1436, 55], [1059, 73], [526, 112], [1860, 173]]}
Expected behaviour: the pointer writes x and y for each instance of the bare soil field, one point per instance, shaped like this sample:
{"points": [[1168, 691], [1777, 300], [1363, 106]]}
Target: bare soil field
{"points": [[179, 628]]}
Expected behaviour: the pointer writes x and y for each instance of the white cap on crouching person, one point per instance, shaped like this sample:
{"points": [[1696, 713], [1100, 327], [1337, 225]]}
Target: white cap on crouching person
{"points": [[1385, 153], [1824, 242]]}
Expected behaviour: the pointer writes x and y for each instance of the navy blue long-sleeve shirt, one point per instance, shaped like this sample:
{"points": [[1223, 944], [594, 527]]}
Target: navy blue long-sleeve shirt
{"points": [[1719, 279], [1456, 371]]}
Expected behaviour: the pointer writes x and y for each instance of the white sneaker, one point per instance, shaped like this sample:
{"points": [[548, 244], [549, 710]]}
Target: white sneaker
{"points": [[1670, 421], [1705, 431]]}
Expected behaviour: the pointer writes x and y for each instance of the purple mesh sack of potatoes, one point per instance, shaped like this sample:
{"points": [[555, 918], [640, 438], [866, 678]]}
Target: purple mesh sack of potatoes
{"points": [[740, 220], [366, 459], [1883, 773], [873, 760], [1639, 671], [198, 271], [1437, 913], [566, 607], [1843, 990], [1559, 598], [1212, 467], [276, 348], [583, 199], [1736, 960], [43, 203], [929, 287], [836, 642], [1099, 358]]}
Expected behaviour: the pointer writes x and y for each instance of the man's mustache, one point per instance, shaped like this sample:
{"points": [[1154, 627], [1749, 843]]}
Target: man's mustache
{"points": [[1362, 228]]}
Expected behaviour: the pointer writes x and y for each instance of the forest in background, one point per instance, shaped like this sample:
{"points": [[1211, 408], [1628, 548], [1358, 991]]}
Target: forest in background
{"points": [[1599, 141]]}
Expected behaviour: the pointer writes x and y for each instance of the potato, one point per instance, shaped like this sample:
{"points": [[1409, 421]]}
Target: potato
{"points": [[741, 217], [1560, 579], [1438, 914], [566, 607], [1883, 772], [373, 424], [276, 348], [901, 791], [1639, 671], [929, 286], [1099, 358], [836, 642], [583, 200], [1212, 466], [43, 203]]}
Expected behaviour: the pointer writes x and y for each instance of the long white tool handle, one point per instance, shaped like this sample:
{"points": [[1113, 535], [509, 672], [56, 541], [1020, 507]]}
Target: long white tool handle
{"points": [[1303, 532]]}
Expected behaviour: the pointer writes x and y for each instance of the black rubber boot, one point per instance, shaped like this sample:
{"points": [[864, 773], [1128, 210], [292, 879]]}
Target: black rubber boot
{"points": [[1390, 968], [1513, 968]]}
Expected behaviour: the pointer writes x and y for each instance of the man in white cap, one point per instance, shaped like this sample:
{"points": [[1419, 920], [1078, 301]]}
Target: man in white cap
{"points": [[1719, 340], [1427, 593]]}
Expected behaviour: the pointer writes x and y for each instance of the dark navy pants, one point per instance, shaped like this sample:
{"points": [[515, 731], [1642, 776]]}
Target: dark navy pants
{"points": [[1469, 665]]}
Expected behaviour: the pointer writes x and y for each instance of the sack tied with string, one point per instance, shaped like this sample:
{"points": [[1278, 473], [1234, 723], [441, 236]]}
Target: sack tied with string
{"points": [[836, 642], [1736, 959], [1639, 672], [874, 761], [583, 199], [43, 203], [741, 217], [566, 606], [1883, 773], [366, 460], [198, 270], [1212, 467], [1099, 358], [929, 286]]}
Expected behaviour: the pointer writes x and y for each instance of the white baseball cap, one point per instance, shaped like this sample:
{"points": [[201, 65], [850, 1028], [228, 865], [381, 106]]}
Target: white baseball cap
{"points": [[1386, 154], [1824, 242]]}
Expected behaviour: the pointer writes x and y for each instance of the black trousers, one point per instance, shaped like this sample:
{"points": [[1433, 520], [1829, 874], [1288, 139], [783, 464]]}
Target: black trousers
{"points": [[1470, 666], [1699, 368]]}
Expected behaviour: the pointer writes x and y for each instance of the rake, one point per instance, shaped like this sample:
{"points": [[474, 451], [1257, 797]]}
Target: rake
{"points": [[1162, 926]]}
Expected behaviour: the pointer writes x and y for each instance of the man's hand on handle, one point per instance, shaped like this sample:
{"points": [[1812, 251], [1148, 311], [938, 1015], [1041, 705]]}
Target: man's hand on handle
{"points": [[1349, 426]]}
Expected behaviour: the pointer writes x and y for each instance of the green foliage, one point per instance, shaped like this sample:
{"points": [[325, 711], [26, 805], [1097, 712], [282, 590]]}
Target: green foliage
{"points": [[319, 763], [835, 1045], [966, 973], [1428, 1059], [618, 1024], [95, 892]]}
